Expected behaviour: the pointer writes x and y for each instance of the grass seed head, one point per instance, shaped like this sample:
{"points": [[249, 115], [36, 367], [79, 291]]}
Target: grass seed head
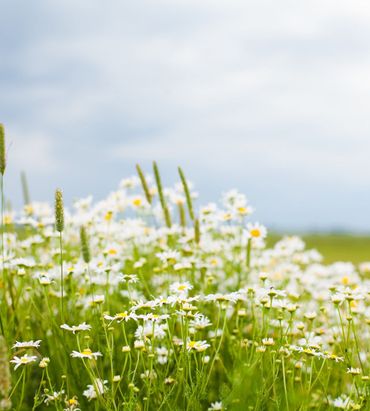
{"points": [[2, 150], [182, 216], [5, 378], [189, 201], [196, 231], [147, 193], [85, 248], [166, 212], [59, 211]]}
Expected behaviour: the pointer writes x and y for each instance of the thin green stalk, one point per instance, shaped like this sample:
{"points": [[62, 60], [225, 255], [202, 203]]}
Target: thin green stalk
{"points": [[189, 201], [249, 248], [22, 391], [162, 200], [144, 183], [4, 279], [25, 189], [285, 385], [17, 383], [61, 275]]}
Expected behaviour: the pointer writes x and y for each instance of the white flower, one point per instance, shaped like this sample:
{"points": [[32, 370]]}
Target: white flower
{"points": [[124, 316], [129, 278], [341, 402], [25, 359], [56, 395], [181, 288], [76, 328], [151, 329], [198, 346], [86, 353], [97, 299], [205, 359], [200, 322], [169, 256], [256, 230], [268, 341], [216, 406], [98, 388], [353, 371], [44, 280], [27, 344]]}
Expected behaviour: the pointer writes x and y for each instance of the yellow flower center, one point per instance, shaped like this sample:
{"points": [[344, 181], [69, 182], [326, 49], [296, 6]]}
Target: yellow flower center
{"points": [[137, 202], [242, 210], [255, 232], [108, 216], [345, 280]]}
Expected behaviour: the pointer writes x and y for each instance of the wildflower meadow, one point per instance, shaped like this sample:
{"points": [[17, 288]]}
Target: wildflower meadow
{"points": [[149, 300]]}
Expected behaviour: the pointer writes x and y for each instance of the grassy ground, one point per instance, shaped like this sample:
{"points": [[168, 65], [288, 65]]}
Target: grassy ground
{"points": [[337, 247]]}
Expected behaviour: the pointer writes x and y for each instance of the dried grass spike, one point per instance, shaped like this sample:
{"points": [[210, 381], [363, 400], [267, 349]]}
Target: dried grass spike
{"points": [[59, 211], [2, 150], [144, 184]]}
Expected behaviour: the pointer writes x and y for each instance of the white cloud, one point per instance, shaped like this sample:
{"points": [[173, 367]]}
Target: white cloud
{"points": [[251, 156], [33, 152], [254, 88]]}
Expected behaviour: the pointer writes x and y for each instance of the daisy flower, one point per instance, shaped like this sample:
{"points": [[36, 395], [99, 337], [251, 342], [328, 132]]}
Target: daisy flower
{"points": [[353, 371], [25, 359], [216, 406], [198, 346], [256, 230], [124, 316], [98, 388], [200, 321], [180, 288], [86, 353], [76, 328], [130, 278], [27, 344]]}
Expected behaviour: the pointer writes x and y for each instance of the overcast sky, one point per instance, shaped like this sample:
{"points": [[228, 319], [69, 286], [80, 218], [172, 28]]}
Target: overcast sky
{"points": [[270, 97]]}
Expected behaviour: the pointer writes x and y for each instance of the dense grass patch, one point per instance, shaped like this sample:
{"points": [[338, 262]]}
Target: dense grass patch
{"points": [[335, 247]]}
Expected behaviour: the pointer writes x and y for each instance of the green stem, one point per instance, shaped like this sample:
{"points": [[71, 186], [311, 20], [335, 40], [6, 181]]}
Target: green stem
{"points": [[22, 392], [249, 248], [61, 276]]}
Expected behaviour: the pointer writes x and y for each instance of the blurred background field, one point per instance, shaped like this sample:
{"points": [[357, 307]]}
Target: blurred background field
{"points": [[335, 247]]}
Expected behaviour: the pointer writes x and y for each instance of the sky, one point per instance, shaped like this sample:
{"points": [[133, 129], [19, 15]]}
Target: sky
{"points": [[269, 97]]}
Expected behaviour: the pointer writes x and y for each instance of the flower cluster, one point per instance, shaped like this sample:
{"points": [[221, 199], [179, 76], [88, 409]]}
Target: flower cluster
{"points": [[144, 301]]}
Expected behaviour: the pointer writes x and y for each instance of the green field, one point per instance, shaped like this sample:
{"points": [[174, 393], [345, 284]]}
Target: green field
{"points": [[178, 308], [336, 247]]}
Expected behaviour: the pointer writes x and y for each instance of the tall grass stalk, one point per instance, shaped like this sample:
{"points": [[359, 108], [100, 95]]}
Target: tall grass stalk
{"points": [[166, 212], [2, 171], [25, 189], [144, 184], [5, 376], [189, 200], [59, 226]]}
